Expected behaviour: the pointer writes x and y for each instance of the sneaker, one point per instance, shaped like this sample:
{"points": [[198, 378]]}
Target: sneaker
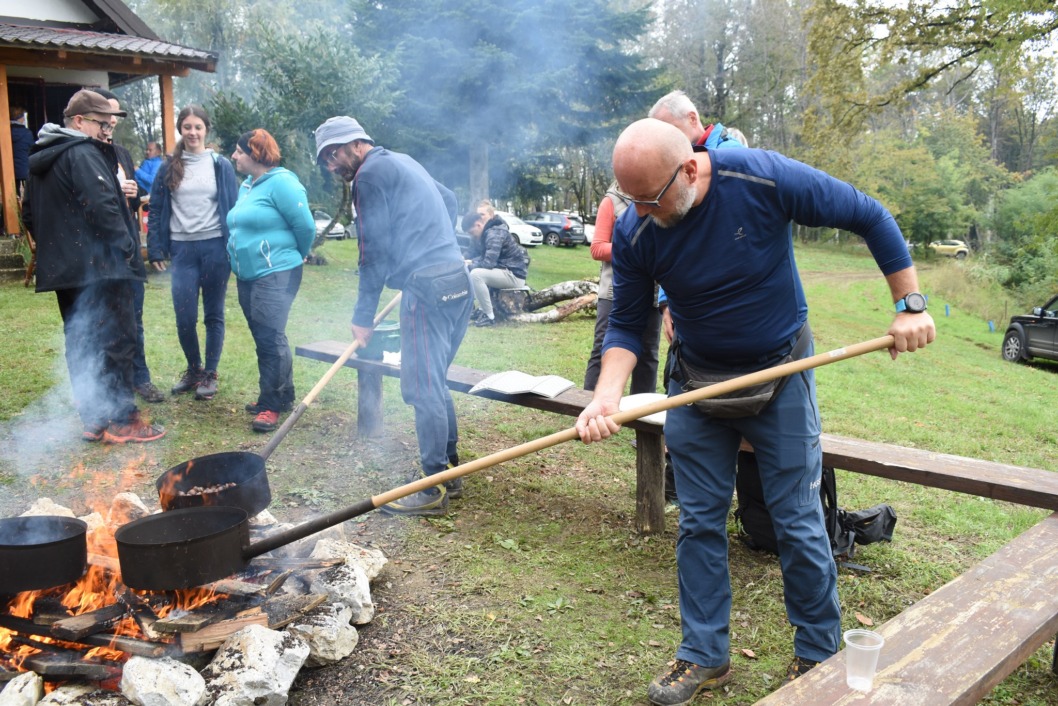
{"points": [[135, 431], [189, 380], [255, 408], [265, 421], [476, 314], [150, 393], [798, 667], [454, 487], [485, 322], [93, 432], [684, 681], [430, 502], [207, 387]]}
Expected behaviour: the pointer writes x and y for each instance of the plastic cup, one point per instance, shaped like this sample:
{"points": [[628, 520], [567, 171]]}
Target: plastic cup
{"points": [[861, 658]]}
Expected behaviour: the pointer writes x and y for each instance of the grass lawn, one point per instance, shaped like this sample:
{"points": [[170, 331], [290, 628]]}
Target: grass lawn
{"points": [[536, 589]]}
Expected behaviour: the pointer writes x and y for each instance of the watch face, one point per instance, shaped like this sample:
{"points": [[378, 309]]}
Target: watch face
{"points": [[915, 302]]}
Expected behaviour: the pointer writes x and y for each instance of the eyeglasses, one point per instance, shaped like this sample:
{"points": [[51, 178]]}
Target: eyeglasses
{"points": [[656, 203], [331, 155], [104, 125]]}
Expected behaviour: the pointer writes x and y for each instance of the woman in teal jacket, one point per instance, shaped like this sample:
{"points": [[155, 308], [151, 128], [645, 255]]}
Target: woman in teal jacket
{"points": [[272, 231]]}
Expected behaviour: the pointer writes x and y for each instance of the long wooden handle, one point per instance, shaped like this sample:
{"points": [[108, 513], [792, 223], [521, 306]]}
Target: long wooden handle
{"points": [[720, 388], [309, 398]]}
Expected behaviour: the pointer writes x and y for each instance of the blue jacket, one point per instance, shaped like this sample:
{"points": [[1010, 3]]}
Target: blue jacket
{"points": [[271, 226], [728, 267], [147, 171], [158, 236], [405, 222]]}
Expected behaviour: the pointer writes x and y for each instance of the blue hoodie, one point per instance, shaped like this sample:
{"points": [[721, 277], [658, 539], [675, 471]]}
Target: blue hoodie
{"points": [[271, 226]]}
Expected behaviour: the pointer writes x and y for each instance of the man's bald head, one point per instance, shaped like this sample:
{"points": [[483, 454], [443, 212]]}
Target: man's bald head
{"points": [[646, 153], [653, 161]]}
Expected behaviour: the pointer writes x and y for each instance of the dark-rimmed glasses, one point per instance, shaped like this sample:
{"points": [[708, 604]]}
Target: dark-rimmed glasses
{"points": [[656, 202], [104, 125], [330, 155]]}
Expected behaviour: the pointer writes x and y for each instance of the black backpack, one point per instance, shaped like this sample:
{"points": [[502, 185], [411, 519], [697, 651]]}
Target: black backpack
{"points": [[845, 529]]}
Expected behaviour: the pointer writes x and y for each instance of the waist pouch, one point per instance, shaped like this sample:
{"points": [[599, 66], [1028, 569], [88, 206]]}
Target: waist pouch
{"points": [[439, 285], [747, 402]]}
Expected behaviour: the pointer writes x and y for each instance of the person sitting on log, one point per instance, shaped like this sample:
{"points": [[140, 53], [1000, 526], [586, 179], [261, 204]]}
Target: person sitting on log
{"points": [[500, 263]]}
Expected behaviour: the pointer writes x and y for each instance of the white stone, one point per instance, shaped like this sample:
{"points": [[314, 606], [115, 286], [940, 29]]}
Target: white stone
{"points": [[68, 694], [372, 560], [304, 547], [97, 697], [254, 667], [328, 634], [46, 506], [161, 682], [346, 584], [264, 518], [125, 508], [24, 690], [93, 520]]}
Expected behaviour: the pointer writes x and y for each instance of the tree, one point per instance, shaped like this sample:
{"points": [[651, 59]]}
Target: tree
{"points": [[506, 78], [849, 40]]}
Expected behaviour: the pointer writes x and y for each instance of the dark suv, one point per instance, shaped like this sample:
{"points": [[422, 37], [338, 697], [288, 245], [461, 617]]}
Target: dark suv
{"points": [[1033, 335], [558, 228]]}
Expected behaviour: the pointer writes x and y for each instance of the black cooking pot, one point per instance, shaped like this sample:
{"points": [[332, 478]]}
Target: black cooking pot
{"points": [[232, 478], [245, 470], [41, 551]]}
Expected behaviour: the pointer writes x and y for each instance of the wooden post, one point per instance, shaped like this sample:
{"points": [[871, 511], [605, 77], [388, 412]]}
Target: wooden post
{"points": [[368, 404], [165, 89], [650, 482], [8, 196]]}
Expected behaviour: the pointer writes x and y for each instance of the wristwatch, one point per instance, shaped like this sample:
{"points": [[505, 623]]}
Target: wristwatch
{"points": [[912, 303]]}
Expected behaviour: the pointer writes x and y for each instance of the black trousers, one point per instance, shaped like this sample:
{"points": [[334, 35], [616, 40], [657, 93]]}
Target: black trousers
{"points": [[99, 322]]}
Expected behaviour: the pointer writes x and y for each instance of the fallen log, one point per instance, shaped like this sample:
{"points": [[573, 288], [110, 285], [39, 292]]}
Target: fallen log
{"points": [[585, 301]]}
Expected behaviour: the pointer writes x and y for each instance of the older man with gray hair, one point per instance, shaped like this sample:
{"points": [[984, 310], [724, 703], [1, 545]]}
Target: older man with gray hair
{"points": [[714, 229], [406, 226]]}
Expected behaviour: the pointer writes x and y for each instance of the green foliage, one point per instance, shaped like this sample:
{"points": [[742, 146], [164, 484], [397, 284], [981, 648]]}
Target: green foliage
{"points": [[1026, 224]]}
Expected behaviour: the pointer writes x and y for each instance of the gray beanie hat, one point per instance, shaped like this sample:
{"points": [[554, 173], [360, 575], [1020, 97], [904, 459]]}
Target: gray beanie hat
{"points": [[340, 130]]}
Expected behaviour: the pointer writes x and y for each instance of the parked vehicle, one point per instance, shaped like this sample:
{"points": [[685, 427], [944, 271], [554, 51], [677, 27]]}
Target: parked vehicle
{"points": [[558, 228], [529, 236], [950, 248], [322, 218], [1033, 335]]}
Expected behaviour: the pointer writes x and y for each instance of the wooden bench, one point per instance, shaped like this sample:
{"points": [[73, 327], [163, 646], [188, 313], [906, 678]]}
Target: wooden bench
{"points": [[650, 444], [956, 644]]}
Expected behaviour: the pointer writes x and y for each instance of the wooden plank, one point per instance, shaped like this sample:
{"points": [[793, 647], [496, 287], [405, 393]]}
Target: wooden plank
{"points": [[213, 636], [283, 610], [198, 619], [263, 563], [78, 626], [461, 379], [956, 644], [987, 479], [650, 482]]}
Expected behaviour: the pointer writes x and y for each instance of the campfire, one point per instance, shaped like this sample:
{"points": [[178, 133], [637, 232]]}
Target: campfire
{"points": [[295, 606]]}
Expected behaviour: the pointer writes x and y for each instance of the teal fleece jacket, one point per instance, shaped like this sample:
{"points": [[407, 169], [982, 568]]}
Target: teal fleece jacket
{"points": [[271, 225]]}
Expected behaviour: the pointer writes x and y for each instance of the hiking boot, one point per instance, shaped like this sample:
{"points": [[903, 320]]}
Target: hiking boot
{"points": [[135, 431], [476, 314], [150, 393], [485, 322], [684, 681], [255, 408], [454, 487], [265, 421], [93, 432], [430, 502], [798, 667], [207, 387], [189, 380]]}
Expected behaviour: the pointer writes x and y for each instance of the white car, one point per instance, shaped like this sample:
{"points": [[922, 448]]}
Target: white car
{"points": [[322, 219], [529, 236]]}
